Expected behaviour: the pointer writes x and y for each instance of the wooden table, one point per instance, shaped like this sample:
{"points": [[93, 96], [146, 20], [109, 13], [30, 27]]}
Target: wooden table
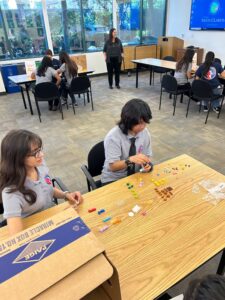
{"points": [[152, 62], [154, 252], [26, 80]]}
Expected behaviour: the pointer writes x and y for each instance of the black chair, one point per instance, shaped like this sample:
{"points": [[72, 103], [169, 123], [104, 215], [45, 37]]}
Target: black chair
{"points": [[96, 159], [169, 85], [161, 70], [82, 85], [46, 91], [201, 90]]}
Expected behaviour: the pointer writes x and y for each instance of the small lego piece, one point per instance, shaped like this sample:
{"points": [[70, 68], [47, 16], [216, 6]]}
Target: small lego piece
{"points": [[106, 219], [144, 213], [104, 228], [136, 208], [116, 221], [130, 214], [101, 211], [91, 209]]}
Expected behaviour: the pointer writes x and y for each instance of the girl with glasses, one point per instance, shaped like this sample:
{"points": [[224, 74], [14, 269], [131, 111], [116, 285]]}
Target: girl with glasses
{"points": [[25, 184]]}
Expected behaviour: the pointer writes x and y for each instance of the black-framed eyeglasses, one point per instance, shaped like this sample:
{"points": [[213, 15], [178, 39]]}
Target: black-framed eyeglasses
{"points": [[36, 153]]}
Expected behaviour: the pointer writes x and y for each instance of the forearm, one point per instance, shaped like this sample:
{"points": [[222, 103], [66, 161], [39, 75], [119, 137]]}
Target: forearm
{"points": [[118, 165], [59, 194]]}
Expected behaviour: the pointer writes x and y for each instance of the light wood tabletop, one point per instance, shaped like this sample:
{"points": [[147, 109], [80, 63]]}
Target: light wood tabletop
{"points": [[153, 62], [171, 65], [167, 239]]}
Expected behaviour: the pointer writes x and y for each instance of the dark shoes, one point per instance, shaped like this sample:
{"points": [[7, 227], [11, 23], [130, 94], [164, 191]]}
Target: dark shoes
{"points": [[217, 109], [118, 87], [50, 107], [55, 108], [205, 108], [110, 87]]}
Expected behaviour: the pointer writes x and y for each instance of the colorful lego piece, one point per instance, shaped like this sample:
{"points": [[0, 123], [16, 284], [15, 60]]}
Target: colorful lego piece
{"points": [[116, 221], [106, 219], [104, 228], [101, 211], [91, 209]]}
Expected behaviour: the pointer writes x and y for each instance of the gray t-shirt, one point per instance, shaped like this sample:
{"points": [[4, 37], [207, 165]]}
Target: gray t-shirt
{"points": [[49, 74], [181, 76], [117, 146], [16, 206], [65, 70]]}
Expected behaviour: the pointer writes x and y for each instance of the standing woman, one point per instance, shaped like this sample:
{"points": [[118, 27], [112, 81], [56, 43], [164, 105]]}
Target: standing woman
{"points": [[46, 73], [70, 70], [25, 184], [113, 53]]}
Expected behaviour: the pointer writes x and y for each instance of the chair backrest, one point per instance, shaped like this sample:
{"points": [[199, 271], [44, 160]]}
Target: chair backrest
{"points": [[96, 159], [169, 58], [80, 84], [169, 83], [46, 90], [201, 90]]}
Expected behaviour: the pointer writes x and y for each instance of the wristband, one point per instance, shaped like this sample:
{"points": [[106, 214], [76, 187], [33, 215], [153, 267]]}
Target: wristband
{"points": [[65, 193]]}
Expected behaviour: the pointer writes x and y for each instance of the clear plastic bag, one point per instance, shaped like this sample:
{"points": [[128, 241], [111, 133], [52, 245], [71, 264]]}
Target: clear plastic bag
{"points": [[216, 191]]}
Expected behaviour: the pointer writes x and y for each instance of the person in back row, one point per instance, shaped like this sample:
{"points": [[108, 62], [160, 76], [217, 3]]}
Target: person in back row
{"points": [[25, 184], [69, 70], [55, 62], [210, 71], [128, 145], [46, 73], [183, 69]]}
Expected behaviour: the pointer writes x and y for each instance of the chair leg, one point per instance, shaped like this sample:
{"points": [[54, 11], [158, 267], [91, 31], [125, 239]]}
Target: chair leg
{"points": [[84, 99], [210, 105], [92, 104], [189, 100], [181, 98], [174, 104], [60, 108], [38, 110], [200, 107], [160, 100], [221, 105]]}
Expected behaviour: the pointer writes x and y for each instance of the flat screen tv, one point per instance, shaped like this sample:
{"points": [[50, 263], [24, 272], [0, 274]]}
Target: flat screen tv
{"points": [[207, 15]]}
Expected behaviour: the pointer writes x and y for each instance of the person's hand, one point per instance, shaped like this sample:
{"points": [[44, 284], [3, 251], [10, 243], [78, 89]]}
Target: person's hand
{"points": [[139, 159], [147, 168], [74, 198]]}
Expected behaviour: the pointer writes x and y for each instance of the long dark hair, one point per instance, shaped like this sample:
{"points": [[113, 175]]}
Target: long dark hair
{"points": [[111, 35], [209, 59], [45, 64], [132, 113], [71, 65], [210, 287], [185, 60], [16, 145]]}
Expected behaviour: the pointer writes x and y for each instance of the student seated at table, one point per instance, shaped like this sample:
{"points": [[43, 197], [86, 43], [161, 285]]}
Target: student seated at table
{"points": [[46, 73], [128, 145], [55, 62], [210, 71], [70, 70], [210, 287], [184, 68], [25, 184]]}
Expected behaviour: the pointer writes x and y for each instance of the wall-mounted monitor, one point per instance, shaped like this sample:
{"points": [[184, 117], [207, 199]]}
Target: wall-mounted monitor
{"points": [[207, 15]]}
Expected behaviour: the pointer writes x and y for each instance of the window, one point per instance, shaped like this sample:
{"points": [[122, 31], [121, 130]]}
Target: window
{"points": [[128, 20], [153, 20], [22, 31], [97, 16], [65, 25]]}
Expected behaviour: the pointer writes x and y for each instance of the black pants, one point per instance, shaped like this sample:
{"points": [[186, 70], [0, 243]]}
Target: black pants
{"points": [[114, 65]]}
